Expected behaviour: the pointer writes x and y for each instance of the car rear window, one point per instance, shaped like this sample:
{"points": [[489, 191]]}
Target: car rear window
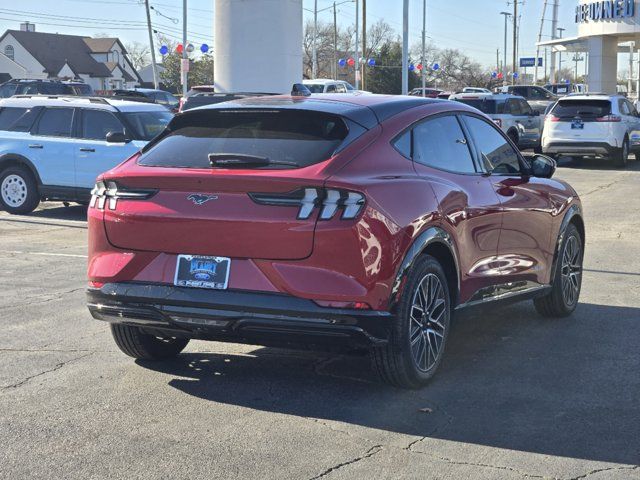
{"points": [[147, 125], [582, 108], [9, 116], [295, 138], [315, 87], [490, 107]]}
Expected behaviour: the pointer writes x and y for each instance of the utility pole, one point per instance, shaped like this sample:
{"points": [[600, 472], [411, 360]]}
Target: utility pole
{"points": [[424, 47], [314, 45], [554, 35], [498, 60], [405, 47], [544, 14], [504, 53], [364, 42], [515, 42], [185, 54], [560, 30], [154, 67], [335, 42], [357, 65]]}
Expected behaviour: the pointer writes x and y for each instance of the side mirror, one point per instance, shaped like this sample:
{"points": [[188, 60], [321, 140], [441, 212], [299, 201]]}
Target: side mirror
{"points": [[300, 90], [542, 166], [534, 113], [117, 137]]}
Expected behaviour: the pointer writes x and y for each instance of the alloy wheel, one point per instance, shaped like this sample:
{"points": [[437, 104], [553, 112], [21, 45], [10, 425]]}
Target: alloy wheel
{"points": [[571, 271], [427, 327], [14, 190]]}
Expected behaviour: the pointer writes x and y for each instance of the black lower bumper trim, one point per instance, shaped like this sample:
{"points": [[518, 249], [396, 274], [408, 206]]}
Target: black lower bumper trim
{"points": [[237, 316]]}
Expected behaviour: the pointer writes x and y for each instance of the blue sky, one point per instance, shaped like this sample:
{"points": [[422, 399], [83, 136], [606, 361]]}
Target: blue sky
{"points": [[473, 26]]}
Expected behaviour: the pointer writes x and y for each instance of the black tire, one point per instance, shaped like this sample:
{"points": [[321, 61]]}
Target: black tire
{"points": [[537, 150], [637, 156], [138, 344], [18, 190], [557, 303], [621, 156], [396, 363], [515, 138]]}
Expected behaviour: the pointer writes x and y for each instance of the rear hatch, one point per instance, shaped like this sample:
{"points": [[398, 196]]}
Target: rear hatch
{"points": [[580, 120], [241, 183]]}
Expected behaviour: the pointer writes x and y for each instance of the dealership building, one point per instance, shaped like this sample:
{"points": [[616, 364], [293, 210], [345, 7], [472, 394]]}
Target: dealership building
{"points": [[605, 29]]}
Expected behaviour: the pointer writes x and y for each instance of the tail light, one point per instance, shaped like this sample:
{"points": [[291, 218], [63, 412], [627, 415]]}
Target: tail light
{"points": [[498, 122], [112, 191], [553, 118], [329, 201], [609, 118]]}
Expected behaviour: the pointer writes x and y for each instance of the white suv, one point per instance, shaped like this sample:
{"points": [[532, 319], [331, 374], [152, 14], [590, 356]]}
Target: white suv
{"points": [[511, 113], [592, 125], [54, 147]]}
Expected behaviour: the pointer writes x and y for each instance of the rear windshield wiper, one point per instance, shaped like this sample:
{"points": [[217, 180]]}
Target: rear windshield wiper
{"points": [[242, 160]]}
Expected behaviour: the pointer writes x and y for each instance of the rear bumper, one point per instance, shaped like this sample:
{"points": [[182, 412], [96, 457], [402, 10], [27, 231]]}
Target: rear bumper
{"points": [[579, 148], [238, 316]]}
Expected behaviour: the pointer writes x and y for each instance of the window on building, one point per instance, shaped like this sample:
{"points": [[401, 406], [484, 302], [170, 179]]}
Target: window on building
{"points": [[9, 52]]}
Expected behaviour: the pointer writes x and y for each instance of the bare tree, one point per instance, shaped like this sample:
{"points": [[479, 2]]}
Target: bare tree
{"points": [[139, 54]]}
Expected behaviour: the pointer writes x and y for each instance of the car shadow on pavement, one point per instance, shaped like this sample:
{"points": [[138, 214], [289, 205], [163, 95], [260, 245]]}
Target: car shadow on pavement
{"points": [[510, 379], [596, 164]]}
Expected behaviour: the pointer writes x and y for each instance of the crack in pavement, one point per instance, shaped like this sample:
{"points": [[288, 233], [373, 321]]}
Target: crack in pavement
{"points": [[55, 368], [602, 187], [369, 453], [600, 470], [27, 301]]}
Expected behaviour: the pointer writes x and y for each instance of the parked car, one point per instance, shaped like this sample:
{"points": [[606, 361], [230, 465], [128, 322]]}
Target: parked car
{"points": [[428, 92], [539, 98], [361, 222], [593, 125], [475, 90], [44, 87], [445, 95], [53, 148], [511, 113], [324, 85], [150, 95], [562, 89]]}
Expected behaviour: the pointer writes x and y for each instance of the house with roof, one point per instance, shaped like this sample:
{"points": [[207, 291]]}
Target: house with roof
{"points": [[99, 62]]}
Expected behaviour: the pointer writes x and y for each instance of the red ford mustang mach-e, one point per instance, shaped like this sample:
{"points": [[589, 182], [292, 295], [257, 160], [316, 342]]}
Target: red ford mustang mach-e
{"points": [[341, 222]]}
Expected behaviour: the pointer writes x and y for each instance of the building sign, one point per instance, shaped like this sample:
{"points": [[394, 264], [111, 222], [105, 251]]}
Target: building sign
{"points": [[530, 62], [605, 10]]}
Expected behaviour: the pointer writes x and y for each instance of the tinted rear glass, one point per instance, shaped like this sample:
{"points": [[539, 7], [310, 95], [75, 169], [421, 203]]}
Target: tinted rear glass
{"points": [[296, 137], [9, 116], [147, 125], [490, 107], [582, 108], [315, 88]]}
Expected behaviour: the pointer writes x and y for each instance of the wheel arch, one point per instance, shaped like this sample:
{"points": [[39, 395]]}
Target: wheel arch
{"points": [[13, 159], [572, 217], [438, 243]]}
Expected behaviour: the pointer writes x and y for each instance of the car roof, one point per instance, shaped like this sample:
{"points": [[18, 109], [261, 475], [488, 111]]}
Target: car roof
{"points": [[367, 110], [321, 81], [100, 103], [483, 95], [591, 96]]}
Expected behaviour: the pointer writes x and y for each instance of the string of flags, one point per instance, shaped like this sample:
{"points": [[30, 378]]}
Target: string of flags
{"points": [[371, 62]]}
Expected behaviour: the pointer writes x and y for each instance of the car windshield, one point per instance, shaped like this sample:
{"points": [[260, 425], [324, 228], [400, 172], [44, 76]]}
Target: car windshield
{"points": [[8, 90], [284, 137], [582, 108], [315, 87], [146, 125], [490, 107]]}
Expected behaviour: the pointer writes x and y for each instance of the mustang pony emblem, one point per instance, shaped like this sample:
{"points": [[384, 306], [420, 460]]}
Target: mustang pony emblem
{"points": [[201, 199]]}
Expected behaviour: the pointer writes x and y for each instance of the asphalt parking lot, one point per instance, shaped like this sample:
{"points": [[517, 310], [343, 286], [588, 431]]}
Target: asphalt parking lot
{"points": [[517, 396]]}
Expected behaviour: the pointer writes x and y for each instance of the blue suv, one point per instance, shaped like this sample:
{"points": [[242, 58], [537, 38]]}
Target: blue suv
{"points": [[53, 148]]}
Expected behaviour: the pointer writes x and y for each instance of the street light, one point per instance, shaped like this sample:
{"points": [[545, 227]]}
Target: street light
{"points": [[504, 61]]}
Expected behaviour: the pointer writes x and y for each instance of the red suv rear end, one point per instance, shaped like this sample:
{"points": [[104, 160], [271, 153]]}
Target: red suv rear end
{"points": [[286, 222]]}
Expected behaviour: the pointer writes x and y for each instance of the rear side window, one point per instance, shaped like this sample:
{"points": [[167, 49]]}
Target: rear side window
{"points": [[9, 116], [286, 138], [56, 122], [582, 108], [498, 156], [487, 106], [440, 143]]}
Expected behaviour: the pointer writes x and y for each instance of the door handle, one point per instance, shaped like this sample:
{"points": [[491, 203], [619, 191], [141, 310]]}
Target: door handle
{"points": [[461, 141], [87, 149], [35, 145]]}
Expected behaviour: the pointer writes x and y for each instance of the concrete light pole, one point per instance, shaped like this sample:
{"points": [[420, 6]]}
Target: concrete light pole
{"points": [[560, 30], [357, 55], [405, 47], [185, 54], [424, 41], [154, 67], [314, 47], [504, 53]]}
